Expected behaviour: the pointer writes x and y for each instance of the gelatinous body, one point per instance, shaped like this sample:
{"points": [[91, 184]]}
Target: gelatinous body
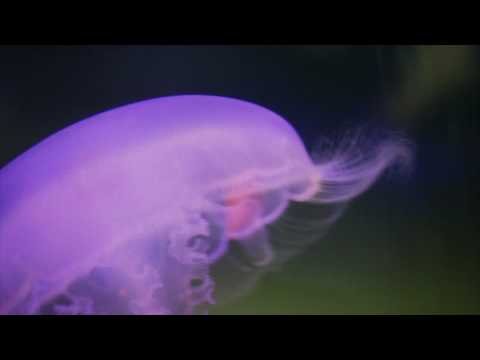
{"points": [[129, 211]]}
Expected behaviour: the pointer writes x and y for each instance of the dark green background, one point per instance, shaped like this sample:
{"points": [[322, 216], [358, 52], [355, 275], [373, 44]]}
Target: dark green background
{"points": [[407, 246]]}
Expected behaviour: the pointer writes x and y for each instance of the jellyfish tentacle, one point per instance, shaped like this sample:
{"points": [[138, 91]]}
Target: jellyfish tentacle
{"points": [[38, 291], [199, 240], [199, 291], [257, 248], [179, 248], [79, 305], [147, 304], [179, 239]]}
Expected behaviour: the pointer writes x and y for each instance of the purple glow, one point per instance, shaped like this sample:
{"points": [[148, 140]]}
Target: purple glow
{"points": [[127, 211]]}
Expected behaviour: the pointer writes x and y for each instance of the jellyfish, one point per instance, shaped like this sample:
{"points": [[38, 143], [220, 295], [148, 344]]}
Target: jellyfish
{"points": [[167, 205]]}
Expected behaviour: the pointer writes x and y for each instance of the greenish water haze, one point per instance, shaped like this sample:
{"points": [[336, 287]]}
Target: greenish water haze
{"points": [[373, 263]]}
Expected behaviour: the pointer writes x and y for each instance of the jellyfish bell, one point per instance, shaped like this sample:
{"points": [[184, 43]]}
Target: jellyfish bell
{"points": [[145, 208]]}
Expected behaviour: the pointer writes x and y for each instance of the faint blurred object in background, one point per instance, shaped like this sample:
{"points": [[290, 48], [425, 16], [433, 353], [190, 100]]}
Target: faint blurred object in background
{"points": [[428, 75]]}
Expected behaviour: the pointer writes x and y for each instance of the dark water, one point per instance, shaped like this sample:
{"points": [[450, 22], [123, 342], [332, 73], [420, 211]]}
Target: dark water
{"points": [[406, 246]]}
